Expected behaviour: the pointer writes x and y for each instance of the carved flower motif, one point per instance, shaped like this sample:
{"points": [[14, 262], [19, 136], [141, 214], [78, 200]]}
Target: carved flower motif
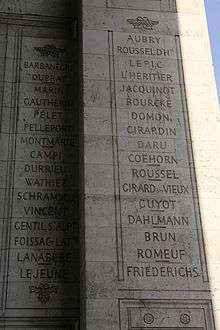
{"points": [[43, 292], [184, 318], [143, 23], [50, 50]]}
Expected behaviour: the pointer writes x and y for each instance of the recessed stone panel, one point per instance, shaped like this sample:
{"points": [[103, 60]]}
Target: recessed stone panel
{"points": [[39, 166], [147, 177]]}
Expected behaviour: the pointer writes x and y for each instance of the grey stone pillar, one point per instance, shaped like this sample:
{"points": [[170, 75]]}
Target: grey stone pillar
{"points": [[151, 188]]}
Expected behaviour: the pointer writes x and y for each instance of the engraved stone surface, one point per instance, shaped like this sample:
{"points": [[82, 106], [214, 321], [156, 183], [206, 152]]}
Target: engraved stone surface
{"points": [[39, 280], [147, 77]]}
